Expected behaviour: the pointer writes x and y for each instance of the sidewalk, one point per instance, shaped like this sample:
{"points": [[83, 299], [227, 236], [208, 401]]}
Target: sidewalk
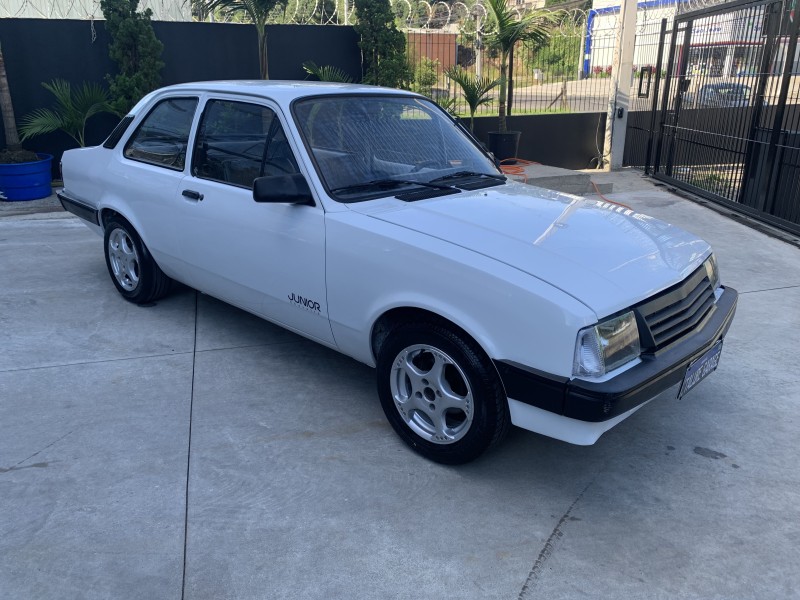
{"points": [[49, 204], [191, 450]]}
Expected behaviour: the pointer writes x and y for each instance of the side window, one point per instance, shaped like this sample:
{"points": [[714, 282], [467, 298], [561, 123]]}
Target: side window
{"points": [[238, 142], [163, 136]]}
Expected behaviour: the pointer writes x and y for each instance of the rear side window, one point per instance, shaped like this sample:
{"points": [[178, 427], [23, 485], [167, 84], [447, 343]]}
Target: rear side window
{"points": [[163, 136], [238, 142], [118, 132]]}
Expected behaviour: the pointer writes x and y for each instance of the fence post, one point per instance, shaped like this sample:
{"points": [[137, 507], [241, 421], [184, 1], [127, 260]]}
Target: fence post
{"points": [[621, 81]]}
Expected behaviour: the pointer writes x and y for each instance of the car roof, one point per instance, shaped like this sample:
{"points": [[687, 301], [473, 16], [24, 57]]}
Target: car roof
{"points": [[280, 90]]}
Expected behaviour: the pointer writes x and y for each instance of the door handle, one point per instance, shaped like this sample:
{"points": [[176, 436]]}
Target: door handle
{"points": [[192, 194]]}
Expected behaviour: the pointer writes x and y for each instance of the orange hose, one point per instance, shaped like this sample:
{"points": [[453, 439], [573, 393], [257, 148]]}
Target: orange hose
{"points": [[517, 169], [597, 191]]}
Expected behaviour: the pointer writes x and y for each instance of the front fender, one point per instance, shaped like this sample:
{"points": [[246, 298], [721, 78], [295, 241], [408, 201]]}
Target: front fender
{"points": [[374, 267]]}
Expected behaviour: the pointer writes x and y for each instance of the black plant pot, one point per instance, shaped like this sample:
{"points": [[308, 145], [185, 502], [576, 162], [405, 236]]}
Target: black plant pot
{"points": [[504, 145]]}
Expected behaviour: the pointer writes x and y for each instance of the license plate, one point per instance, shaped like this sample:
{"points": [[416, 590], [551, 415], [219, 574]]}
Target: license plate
{"points": [[701, 368]]}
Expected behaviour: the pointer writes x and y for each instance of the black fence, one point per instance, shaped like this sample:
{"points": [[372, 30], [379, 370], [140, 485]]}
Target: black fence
{"points": [[724, 122], [551, 77]]}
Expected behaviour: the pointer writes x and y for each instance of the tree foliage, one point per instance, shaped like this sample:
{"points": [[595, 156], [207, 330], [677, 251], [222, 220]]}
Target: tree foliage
{"points": [[326, 72], [72, 110], [135, 49], [506, 29], [474, 89], [560, 57], [383, 46], [426, 76]]}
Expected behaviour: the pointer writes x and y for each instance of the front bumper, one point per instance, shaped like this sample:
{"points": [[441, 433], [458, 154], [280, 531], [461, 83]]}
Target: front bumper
{"points": [[596, 402]]}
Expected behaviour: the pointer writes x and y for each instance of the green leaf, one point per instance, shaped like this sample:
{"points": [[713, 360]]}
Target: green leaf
{"points": [[70, 113], [326, 72]]}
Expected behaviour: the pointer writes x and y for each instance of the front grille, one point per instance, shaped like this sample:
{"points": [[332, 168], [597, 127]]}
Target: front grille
{"points": [[675, 312]]}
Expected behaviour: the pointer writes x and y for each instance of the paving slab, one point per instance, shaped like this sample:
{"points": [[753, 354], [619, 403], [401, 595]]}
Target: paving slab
{"points": [[54, 283], [556, 178], [92, 479], [298, 488]]}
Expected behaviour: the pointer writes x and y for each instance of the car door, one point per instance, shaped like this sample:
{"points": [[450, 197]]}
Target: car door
{"points": [[267, 258], [149, 173]]}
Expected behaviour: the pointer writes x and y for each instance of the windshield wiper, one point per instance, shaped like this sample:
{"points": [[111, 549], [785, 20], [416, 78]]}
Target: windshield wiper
{"points": [[388, 183], [463, 174]]}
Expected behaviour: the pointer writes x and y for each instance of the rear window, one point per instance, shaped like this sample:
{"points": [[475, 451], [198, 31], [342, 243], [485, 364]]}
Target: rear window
{"points": [[163, 136]]}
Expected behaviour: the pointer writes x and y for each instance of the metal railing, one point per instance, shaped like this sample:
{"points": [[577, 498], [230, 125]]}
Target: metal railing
{"points": [[545, 78]]}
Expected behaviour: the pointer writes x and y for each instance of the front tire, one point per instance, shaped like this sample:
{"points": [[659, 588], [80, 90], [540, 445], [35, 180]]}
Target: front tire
{"points": [[441, 393], [135, 274]]}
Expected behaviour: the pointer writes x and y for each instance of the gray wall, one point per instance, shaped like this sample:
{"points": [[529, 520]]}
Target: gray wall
{"points": [[565, 140]]}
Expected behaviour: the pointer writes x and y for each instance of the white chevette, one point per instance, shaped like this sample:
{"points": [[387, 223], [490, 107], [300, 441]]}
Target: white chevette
{"points": [[370, 221]]}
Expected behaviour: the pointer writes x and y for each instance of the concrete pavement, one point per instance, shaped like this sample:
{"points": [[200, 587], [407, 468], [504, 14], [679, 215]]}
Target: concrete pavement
{"points": [[190, 450]]}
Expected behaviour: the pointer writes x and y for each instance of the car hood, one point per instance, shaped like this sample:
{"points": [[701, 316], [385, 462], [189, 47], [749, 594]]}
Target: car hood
{"points": [[605, 255]]}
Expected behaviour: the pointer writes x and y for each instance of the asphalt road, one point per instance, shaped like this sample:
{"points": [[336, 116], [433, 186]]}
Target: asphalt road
{"points": [[190, 450]]}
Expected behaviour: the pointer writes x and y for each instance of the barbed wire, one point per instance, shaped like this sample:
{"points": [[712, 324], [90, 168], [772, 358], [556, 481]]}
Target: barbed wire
{"points": [[163, 10], [412, 14]]}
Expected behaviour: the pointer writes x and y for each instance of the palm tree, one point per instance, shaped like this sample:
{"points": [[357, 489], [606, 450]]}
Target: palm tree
{"points": [[70, 113], [7, 108], [474, 89], [326, 72], [506, 30], [256, 11]]}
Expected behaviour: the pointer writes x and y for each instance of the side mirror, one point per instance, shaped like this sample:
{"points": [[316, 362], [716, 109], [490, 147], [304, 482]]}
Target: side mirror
{"points": [[285, 189]]}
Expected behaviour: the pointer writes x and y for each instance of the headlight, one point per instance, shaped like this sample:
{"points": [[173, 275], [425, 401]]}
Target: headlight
{"points": [[712, 271], [606, 346]]}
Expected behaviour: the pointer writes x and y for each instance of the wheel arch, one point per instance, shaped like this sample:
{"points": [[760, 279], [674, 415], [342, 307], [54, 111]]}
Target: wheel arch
{"points": [[399, 315], [106, 213]]}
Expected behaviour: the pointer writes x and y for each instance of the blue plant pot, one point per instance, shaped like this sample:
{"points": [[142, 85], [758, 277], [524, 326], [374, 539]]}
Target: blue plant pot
{"points": [[26, 181]]}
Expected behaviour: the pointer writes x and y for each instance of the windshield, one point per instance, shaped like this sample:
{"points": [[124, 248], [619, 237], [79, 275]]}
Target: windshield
{"points": [[358, 143]]}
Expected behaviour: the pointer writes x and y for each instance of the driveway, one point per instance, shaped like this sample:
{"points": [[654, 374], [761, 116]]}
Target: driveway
{"points": [[190, 450]]}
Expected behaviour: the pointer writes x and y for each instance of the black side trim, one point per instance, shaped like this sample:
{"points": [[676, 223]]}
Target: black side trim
{"points": [[116, 135], [532, 386], [78, 208], [594, 402]]}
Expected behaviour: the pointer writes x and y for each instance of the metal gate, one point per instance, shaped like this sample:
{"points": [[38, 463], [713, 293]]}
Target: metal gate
{"points": [[726, 122]]}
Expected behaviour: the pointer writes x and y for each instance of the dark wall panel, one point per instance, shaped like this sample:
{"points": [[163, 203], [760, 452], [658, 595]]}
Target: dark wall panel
{"points": [[289, 46], [207, 51], [37, 50], [566, 140]]}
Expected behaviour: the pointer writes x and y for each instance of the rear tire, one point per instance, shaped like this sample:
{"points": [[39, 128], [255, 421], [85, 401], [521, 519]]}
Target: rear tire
{"points": [[441, 393], [135, 274]]}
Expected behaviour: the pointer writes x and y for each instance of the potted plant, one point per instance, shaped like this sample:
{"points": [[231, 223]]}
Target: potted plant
{"points": [[474, 89], [24, 175], [507, 28]]}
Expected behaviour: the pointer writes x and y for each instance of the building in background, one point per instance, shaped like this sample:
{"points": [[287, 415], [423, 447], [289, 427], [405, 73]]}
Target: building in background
{"points": [[718, 48]]}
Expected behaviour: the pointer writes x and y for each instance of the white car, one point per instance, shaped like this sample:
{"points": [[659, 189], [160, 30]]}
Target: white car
{"points": [[368, 220]]}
